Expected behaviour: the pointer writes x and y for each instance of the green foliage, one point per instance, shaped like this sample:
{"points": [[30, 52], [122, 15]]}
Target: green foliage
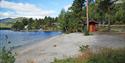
{"points": [[83, 48], [61, 20], [25, 21], [72, 20], [68, 60], [6, 56], [102, 11], [109, 56], [119, 13], [3, 25], [105, 55], [76, 14], [48, 23], [114, 28], [86, 33], [106, 6], [18, 26]]}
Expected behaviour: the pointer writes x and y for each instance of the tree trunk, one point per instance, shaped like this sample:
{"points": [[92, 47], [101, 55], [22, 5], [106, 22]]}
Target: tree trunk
{"points": [[87, 15], [109, 25]]}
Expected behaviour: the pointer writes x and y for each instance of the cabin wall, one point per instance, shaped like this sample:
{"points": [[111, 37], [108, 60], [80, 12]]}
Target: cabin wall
{"points": [[92, 28]]}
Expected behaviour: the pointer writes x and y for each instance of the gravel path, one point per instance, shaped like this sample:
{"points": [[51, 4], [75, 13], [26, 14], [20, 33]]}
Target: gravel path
{"points": [[65, 45]]}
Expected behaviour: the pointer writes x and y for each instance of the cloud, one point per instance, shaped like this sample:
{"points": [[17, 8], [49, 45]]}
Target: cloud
{"points": [[23, 10], [67, 7], [6, 14]]}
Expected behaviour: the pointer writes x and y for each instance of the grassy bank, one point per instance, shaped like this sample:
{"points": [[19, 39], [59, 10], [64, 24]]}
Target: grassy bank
{"points": [[5, 26], [105, 55], [114, 28]]}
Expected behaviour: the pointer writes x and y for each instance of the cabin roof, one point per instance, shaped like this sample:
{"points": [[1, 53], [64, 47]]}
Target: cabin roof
{"points": [[92, 21]]}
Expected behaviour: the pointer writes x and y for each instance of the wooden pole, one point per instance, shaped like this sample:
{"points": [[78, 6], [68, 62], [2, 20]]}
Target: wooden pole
{"points": [[87, 15]]}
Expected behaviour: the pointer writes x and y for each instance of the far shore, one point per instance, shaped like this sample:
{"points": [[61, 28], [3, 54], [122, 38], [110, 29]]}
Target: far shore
{"points": [[65, 45], [4, 28], [35, 30]]}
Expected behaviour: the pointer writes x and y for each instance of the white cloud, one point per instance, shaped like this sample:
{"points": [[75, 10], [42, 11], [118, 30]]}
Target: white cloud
{"points": [[23, 10], [67, 6], [6, 14]]}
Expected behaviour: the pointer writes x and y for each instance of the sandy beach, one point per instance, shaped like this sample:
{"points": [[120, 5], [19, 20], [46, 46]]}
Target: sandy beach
{"points": [[63, 46]]}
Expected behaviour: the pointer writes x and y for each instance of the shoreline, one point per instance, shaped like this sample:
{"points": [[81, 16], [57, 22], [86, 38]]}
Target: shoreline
{"points": [[33, 43], [63, 46]]}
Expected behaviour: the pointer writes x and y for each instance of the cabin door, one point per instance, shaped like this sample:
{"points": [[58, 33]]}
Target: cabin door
{"points": [[91, 28]]}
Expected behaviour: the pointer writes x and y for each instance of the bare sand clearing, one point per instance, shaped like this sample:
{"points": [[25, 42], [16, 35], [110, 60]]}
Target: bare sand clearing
{"points": [[65, 45]]}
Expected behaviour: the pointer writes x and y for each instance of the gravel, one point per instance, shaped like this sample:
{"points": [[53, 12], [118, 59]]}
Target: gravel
{"points": [[65, 45]]}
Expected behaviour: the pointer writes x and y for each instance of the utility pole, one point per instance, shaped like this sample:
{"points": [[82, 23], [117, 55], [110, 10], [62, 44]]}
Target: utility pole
{"points": [[87, 16]]}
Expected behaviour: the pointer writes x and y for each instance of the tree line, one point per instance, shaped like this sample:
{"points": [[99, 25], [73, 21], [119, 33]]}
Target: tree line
{"points": [[46, 24], [105, 12]]}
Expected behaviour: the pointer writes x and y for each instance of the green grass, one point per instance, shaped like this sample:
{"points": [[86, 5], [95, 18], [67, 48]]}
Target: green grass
{"points": [[105, 55], [83, 48], [114, 28], [2, 25], [5, 26]]}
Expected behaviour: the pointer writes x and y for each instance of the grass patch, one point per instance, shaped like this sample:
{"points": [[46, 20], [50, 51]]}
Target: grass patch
{"points": [[83, 48], [5, 26], [2, 25], [105, 55], [114, 28]]}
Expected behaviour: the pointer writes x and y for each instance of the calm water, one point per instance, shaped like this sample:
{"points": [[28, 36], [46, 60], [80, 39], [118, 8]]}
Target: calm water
{"points": [[22, 38]]}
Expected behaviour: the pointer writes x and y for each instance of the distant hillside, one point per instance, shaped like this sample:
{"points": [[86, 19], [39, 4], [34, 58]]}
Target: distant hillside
{"points": [[7, 23], [4, 20], [11, 20]]}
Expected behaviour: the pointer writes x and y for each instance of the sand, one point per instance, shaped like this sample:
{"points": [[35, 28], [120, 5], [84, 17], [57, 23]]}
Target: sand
{"points": [[64, 46]]}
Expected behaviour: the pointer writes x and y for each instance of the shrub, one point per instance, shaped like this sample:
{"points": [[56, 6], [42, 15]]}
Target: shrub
{"points": [[83, 48], [86, 33], [6, 55]]}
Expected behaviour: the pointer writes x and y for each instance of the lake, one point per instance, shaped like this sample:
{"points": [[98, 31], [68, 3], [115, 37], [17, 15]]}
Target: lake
{"points": [[17, 38]]}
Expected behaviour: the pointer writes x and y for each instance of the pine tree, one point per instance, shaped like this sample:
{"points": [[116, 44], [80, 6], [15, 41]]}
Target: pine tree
{"points": [[77, 13], [106, 6]]}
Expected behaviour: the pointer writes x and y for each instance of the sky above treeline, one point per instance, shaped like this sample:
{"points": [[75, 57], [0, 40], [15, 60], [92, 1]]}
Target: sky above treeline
{"points": [[32, 8]]}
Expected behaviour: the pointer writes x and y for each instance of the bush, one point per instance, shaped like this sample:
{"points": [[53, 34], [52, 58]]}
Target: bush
{"points": [[83, 48], [6, 56]]}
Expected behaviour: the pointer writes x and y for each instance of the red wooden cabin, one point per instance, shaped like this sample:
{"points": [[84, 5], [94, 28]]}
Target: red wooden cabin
{"points": [[92, 26]]}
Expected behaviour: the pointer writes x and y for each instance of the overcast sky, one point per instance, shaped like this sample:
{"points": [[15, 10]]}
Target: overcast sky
{"points": [[32, 8]]}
